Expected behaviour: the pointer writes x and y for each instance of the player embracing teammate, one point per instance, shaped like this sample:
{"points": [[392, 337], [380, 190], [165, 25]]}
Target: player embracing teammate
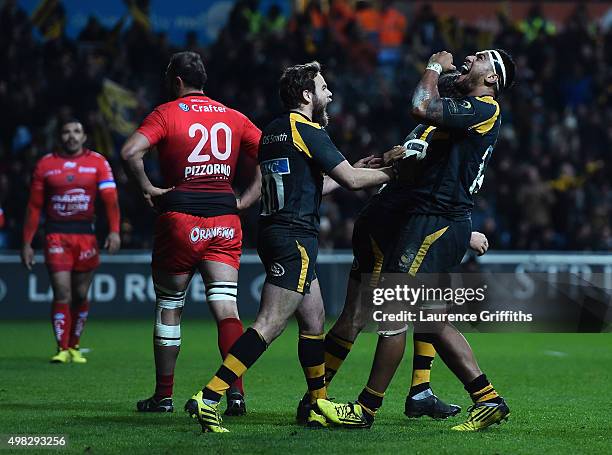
{"points": [[199, 141], [450, 152], [65, 184], [296, 153]]}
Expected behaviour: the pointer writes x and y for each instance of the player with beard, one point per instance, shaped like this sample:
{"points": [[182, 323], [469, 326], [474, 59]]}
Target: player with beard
{"points": [[451, 149], [375, 231], [65, 184], [294, 155]]}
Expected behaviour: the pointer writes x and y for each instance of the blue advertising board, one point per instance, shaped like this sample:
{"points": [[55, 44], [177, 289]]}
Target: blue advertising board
{"points": [[205, 17]]}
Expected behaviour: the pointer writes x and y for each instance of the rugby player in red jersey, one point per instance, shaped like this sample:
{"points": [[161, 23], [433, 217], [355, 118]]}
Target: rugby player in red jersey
{"points": [[66, 184], [199, 141]]}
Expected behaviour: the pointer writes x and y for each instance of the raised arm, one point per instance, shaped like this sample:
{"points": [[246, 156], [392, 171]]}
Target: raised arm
{"points": [[316, 144], [356, 178], [371, 161], [426, 102]]}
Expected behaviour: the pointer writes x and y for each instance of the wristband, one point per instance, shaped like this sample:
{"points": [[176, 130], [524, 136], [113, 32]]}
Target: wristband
{"points": [[434, 66]]}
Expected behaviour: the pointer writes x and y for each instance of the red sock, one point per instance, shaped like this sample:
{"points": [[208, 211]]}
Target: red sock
{"points": [[164, 383], [79, 313], [229, 330], [61, 320]]}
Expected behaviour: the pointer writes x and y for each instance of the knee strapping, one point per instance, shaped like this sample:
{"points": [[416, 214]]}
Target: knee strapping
{"points": [[166, 299], [222, 290]]}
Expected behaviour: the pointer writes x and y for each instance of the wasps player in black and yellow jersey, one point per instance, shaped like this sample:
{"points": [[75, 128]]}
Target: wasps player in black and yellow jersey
{"points": [[294, 155], [375, 232], [430, 215]]}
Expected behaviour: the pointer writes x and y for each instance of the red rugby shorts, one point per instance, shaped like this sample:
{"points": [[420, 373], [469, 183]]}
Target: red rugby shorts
{"points": [[182, 241], [71, 252]]}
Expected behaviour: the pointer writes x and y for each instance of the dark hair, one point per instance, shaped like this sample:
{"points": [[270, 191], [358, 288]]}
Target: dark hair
{"points": [[62, 123], [510, 68], [295, 80], [189, 67]]}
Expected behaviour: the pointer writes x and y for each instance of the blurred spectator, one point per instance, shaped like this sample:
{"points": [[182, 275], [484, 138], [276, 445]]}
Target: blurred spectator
{"points": [[93, 32], [369, 19], [536, 25], [548, 185], [392, 34], [274, 22]]}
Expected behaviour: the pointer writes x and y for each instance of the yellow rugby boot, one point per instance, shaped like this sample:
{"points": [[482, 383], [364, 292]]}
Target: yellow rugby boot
{"points": [[207, 414], [76, 355], [62, 356], [483, 415]]}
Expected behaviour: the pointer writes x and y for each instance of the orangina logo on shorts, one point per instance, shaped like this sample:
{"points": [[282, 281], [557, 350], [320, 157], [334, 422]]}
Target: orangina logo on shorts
{"points": [[198, 234]]}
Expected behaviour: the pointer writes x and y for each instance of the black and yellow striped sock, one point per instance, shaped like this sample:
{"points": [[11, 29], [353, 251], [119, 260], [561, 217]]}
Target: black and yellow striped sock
{"points": [[422, 359], [370, 400], [244, 353], [311, 352], [336, 350], [481, 390]]}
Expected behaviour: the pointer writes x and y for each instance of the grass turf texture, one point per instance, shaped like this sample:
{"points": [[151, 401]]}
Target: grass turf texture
{"points": [[557, 385]]}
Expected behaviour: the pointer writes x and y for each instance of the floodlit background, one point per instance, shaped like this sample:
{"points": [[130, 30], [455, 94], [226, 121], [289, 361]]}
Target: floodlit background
{"points": [[545, 206], [548, 186]]}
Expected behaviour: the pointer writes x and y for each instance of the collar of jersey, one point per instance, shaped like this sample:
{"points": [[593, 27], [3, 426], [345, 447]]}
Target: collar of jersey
{"points": [[192, 94], [65, 156], [308, 121]]}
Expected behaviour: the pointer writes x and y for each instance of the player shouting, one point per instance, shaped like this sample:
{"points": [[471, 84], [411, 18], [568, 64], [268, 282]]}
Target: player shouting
{"points": [[199, 141], [434, 236], [66, 183], [296, 152], [375, 233]]}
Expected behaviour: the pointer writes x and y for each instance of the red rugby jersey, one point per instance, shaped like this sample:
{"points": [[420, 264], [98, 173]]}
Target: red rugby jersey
{"points": [[199, 141], [70, 184]]}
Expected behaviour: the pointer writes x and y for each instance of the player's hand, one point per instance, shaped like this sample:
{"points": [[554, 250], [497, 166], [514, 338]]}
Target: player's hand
{"points": [[445, 59], [113, 242], [27, 256], [393, 155], [150, 194], [372, 162], [479, 243], [239, 205]]}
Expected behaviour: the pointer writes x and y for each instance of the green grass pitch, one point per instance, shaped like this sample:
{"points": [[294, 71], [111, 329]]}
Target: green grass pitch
{"points": [[558, 387]]}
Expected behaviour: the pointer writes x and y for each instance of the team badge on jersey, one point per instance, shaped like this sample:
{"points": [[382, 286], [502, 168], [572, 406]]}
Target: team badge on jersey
{"points": [[406, 259], [184, 107], [276, 269], [461, 107]]}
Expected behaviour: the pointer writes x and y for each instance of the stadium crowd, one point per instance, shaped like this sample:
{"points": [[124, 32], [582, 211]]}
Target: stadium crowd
{"points": [[547, 187]]}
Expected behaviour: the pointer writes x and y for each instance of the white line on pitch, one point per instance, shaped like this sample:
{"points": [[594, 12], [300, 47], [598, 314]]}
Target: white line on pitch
{"points": [[556, 353]]}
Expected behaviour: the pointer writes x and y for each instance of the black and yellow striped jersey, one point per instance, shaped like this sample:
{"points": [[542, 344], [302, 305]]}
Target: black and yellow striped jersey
{"points": [[294, 154], [451, 168]]}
